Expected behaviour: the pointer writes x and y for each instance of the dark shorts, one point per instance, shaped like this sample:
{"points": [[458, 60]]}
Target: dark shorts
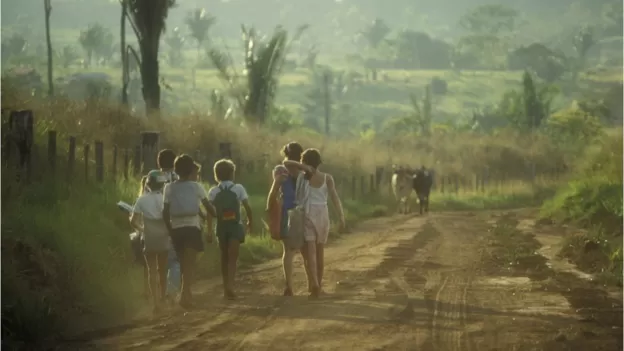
{"points": [[236, 233], [186, 238]]}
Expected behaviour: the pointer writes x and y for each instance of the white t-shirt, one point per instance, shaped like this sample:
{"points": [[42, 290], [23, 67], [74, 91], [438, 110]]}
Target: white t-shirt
{"points": [[192, 193], [150, 205], [237, 189]]}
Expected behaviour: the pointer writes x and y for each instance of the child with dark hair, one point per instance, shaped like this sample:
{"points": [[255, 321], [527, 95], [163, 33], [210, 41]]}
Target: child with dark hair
{"points": [[283, 192], [318, 187], [166, 158], [227, 198], [136, 243], [181, 212], [147, 218]]}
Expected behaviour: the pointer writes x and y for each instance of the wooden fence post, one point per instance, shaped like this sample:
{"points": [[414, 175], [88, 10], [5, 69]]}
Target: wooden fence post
{"points": [[483, 180], [149, 150], [52, 151], [126, 163], [456, 178], [71, 158], [225, 150], [21, 125], [5, 135], [114, 171], [442, 184], [137, 160], [86, 162], [99, 161], [379, 172], [372, 183], [363, 185]]}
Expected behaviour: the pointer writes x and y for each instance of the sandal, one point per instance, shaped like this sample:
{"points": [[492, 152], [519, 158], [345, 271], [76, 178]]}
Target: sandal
{"points": [[314, 293]]}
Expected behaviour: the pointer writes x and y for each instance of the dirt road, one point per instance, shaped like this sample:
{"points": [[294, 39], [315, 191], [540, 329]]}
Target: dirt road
{"points": [[401, 283]]}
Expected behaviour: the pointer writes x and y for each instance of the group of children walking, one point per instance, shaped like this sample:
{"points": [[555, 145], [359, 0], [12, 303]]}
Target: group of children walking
{"points": [[168, 217]]}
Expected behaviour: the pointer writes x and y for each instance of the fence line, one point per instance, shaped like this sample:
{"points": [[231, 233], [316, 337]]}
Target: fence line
{"points": [[20, 151]]}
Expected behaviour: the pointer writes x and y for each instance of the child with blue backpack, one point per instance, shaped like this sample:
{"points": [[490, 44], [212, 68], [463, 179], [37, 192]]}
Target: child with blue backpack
{"points": [[227, 198]]}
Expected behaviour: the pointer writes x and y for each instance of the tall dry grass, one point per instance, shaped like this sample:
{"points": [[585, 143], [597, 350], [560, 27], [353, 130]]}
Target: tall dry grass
{"points": [[507, 154]]}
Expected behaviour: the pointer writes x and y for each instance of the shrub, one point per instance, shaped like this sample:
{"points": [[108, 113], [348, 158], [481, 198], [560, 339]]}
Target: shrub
{"points": [[439, 86], [593, 199]]}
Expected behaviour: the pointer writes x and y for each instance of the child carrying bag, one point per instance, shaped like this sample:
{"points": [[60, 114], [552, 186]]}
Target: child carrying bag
{"points": [[275, 218], [297, 216]]}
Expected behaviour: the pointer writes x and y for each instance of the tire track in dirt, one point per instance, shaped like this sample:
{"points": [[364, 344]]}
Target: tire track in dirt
{"points": [[393, 255], [248, 320], [447, 290], [219, 314]]}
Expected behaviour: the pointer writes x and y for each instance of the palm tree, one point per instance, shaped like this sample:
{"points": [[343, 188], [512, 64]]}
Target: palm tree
{"points": [[419, 120], [48, 11], [147, 18], [106, 49], [175, 41], [91, 39], [263, 65], [199, 23], [67, 56], [583, 42], [375, 33]]}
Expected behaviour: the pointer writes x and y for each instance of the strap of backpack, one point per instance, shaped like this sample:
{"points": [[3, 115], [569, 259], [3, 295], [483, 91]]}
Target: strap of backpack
{"points": [[226, 188], [300, 196]]}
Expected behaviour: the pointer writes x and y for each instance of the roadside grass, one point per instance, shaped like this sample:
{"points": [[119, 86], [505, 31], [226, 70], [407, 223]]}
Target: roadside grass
{"points": [[510, 195], [592, 199]]}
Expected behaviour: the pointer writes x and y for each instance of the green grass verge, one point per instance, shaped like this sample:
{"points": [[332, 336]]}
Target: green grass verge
{"points": [[593, 200]]}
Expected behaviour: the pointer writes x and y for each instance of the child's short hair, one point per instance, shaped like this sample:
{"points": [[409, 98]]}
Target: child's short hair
{"points": [[183, 166], [311, 157], [292, 151], [166, 158], [224, 169]]}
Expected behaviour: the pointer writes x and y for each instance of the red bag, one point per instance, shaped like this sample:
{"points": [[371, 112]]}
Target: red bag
{"points": [[275, 218]]}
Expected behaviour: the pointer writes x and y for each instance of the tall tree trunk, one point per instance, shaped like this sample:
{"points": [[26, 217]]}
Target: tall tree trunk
{"points": [[48, 11], [149, 77], [327, 101], [124, 55]]}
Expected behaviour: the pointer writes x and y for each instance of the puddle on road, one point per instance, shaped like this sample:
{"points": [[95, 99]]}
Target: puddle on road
{"points": [[547, 304], [551, 244], [505, 281]]}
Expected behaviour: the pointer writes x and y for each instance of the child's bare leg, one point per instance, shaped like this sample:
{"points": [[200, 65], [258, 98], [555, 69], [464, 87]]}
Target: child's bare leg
{"points": [[184, 277], [233, 246], [304, 255], [188, 273], [162, 273], [223, 248], [191, 255], [311, 247], [287, 265], [320, 263], [146, 287], [151, 261]]}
